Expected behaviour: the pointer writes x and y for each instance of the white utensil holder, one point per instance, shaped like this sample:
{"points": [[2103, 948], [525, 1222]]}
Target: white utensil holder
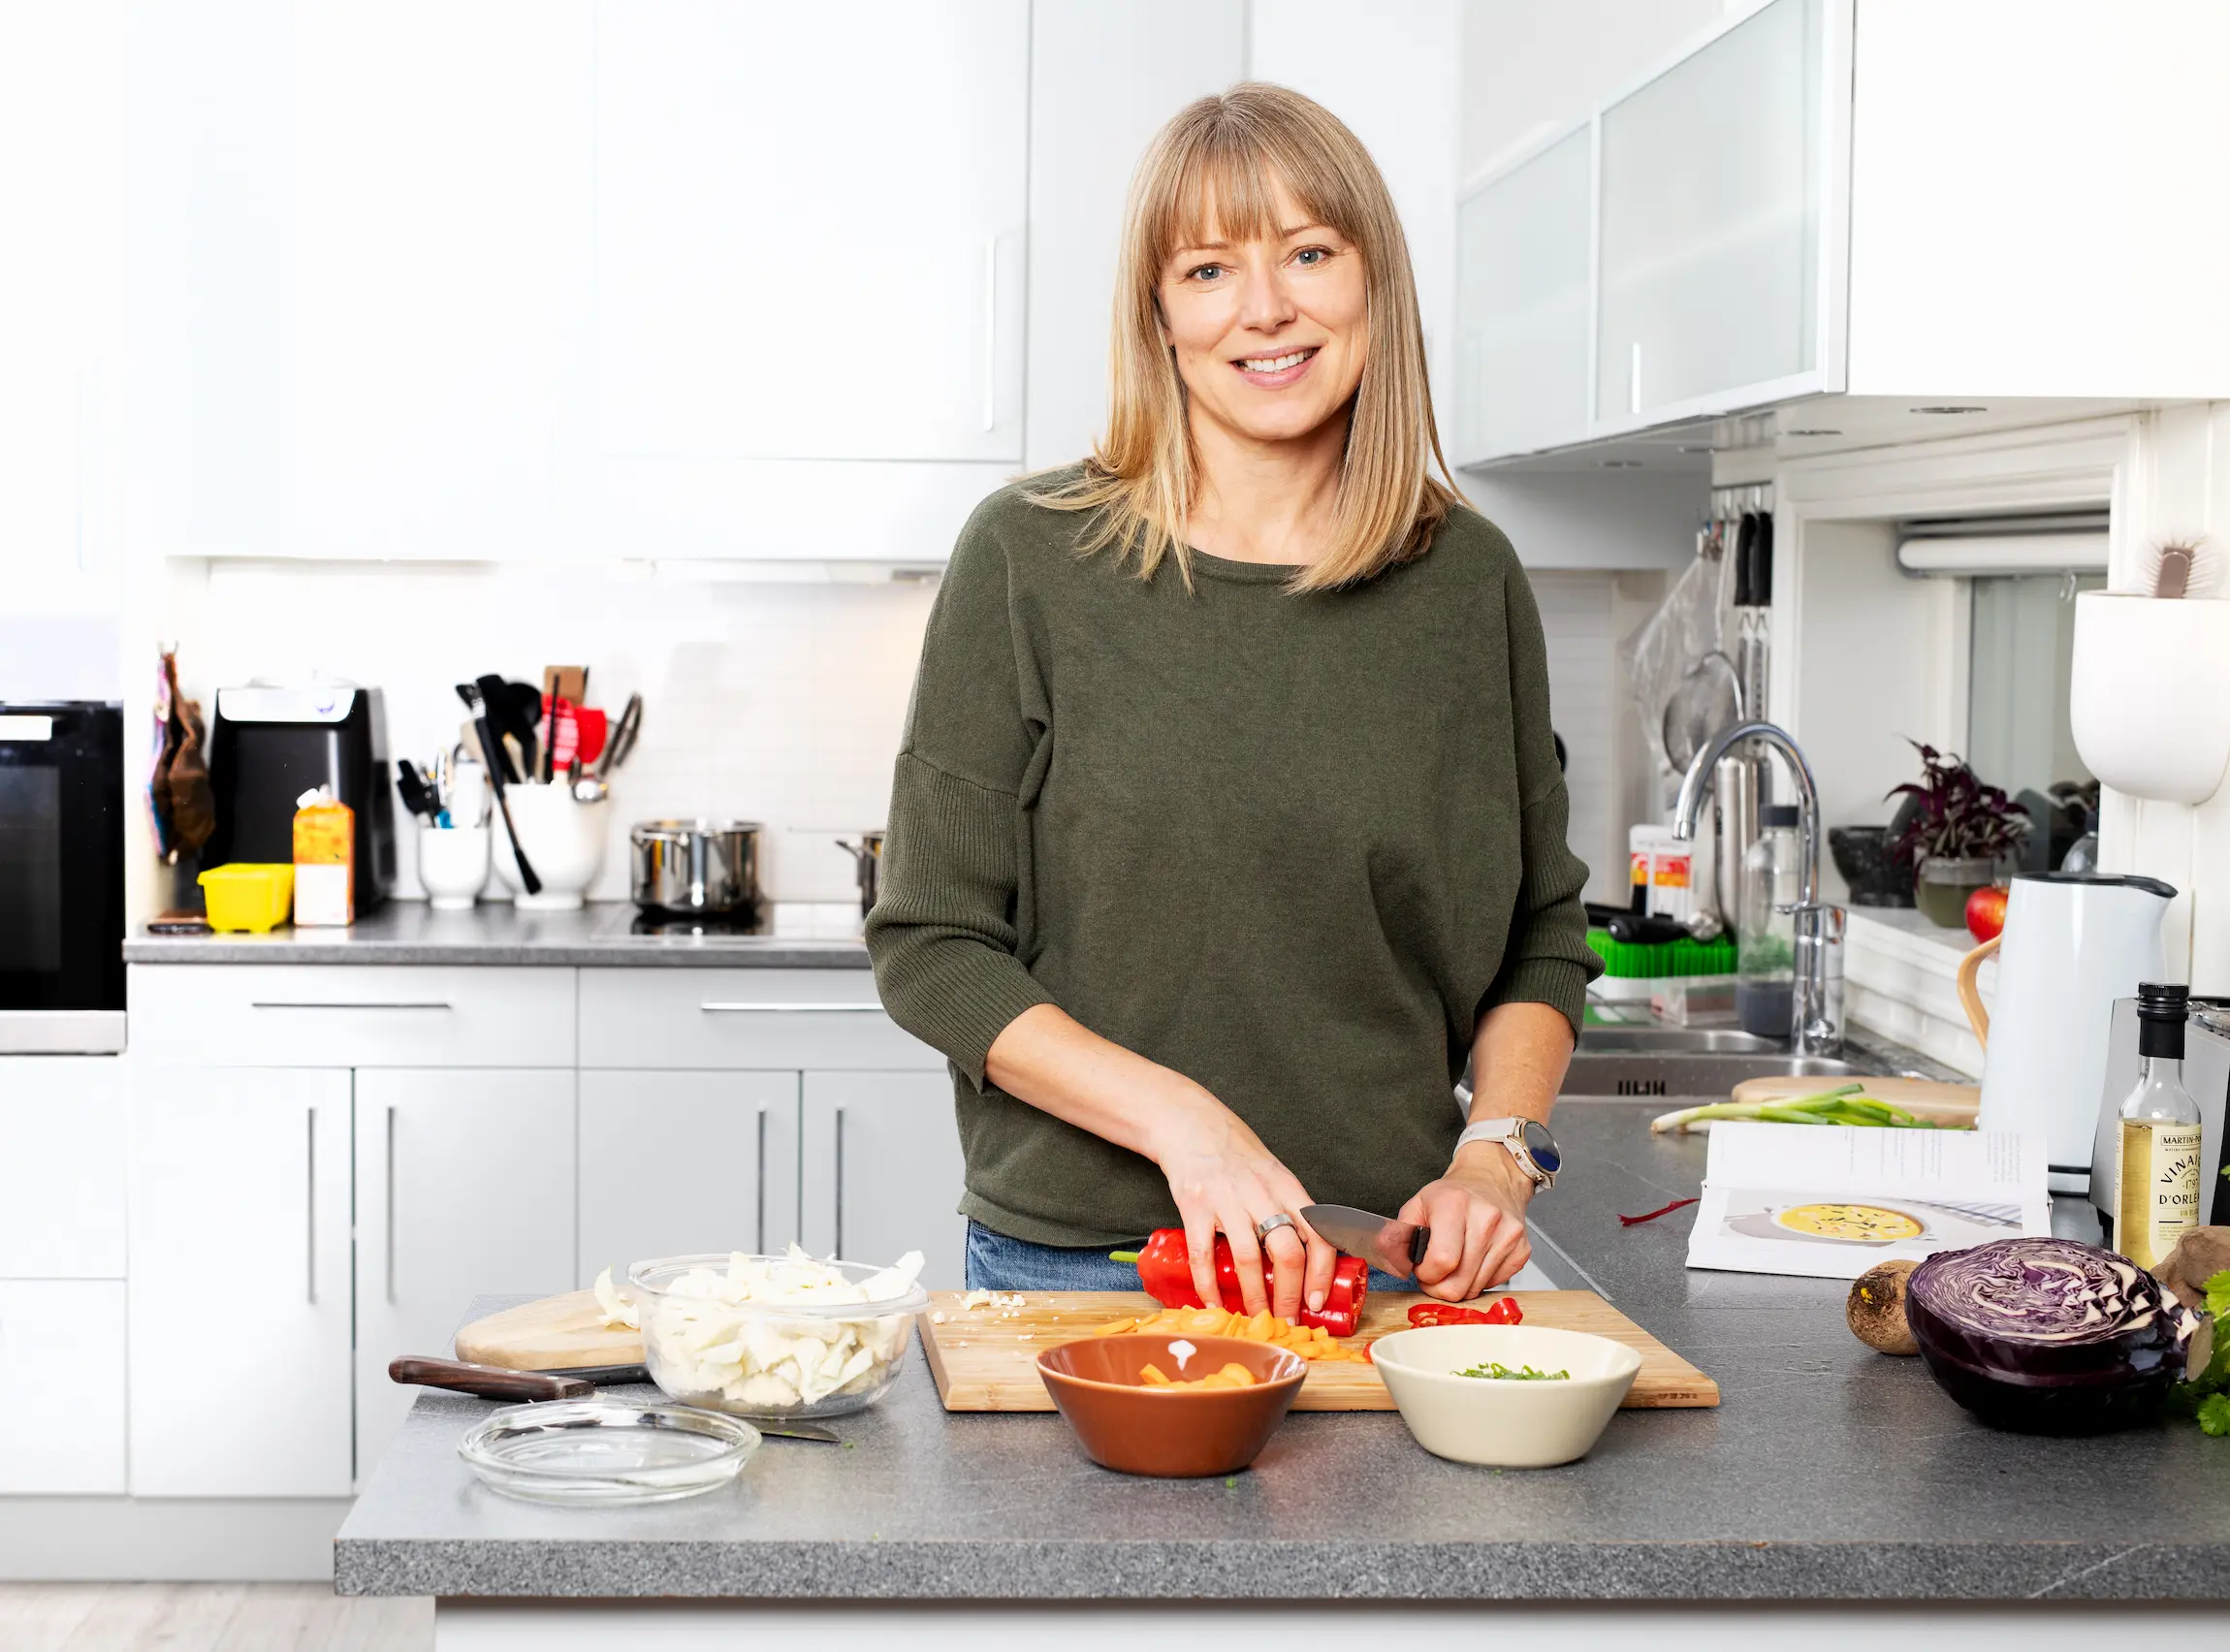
{"points": [[562, 838], [2148, 694], [452, 865]]}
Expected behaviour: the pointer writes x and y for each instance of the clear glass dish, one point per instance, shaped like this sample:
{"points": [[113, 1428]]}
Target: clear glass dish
{"points": [[774, 1359], [605, 1451]]}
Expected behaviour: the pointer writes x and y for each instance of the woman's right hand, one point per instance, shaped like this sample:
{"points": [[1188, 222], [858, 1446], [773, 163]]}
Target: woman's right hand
{"points": [[1223, 1178]]}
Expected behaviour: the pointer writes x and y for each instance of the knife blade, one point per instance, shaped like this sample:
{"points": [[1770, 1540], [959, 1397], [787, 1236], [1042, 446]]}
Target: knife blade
{"points": [[501, 1382], [1389, 1246]]}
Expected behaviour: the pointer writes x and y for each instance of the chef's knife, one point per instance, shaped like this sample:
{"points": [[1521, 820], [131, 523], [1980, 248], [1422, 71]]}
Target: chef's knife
{"points": [[1389, 1246], [501, 1383]]}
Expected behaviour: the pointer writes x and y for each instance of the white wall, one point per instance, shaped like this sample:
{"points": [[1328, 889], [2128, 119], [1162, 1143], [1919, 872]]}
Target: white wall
{"points": [[1533, 65]]}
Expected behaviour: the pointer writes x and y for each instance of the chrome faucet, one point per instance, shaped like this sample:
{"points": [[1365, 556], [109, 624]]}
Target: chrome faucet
{"points": [[1816, 1023]]}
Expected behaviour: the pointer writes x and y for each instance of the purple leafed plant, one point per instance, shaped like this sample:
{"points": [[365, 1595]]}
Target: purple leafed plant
{"points": [[1960, 817]]}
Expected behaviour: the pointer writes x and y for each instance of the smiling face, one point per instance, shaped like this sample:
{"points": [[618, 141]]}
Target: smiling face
{"points": [[1269, 332]]}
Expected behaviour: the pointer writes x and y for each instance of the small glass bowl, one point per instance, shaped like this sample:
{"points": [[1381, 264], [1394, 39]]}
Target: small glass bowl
{"points": [[605, 1451], [768, 1337]]}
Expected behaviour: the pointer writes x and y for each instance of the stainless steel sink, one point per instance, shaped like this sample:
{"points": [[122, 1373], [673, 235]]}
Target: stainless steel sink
{"points": [[1679, 1041], [1654, 1071]]}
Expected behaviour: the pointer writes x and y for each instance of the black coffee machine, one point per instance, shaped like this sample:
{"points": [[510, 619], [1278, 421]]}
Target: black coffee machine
{"points": [[268, 746]]}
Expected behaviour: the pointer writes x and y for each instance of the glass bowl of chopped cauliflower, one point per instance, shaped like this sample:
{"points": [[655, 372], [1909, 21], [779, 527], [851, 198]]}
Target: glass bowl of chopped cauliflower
{"points": [[788, 1336]]}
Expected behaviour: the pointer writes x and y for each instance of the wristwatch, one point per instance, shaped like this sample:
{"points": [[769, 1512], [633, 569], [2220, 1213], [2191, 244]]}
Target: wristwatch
{"points": [[1528, 1141]]}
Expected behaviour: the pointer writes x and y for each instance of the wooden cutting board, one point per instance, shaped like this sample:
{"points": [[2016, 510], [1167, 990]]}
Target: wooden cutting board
{"points": [[558, 1333], [984, 1358], [1953, 1104]]}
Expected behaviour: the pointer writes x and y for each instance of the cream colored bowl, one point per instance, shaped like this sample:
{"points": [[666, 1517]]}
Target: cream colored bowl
{"points": [[1500, 1423]]}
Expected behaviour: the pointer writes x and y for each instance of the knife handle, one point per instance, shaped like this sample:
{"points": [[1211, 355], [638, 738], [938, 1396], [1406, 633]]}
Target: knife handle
{"points": [[488, 1381], [1417, 1244]]}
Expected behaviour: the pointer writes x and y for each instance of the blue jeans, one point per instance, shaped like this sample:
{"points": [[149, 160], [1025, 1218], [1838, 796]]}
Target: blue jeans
{"points": [[997, 1262]]}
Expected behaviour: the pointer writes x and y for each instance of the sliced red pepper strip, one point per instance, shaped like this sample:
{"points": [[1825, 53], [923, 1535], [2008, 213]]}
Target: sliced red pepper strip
{"points": [[1165, 1273], [1504, 1313], [1653, 1214]]}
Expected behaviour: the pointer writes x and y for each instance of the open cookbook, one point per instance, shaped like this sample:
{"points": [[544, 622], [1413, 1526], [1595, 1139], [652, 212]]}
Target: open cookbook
{"points": [[1831, 1201]]}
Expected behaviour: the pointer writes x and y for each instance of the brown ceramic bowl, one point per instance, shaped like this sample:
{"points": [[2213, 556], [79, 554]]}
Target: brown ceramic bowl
{"points": [[1177, 1434]]}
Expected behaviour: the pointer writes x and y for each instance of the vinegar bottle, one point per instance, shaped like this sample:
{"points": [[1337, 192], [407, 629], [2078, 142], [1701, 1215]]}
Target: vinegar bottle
{"points": [[2157, 1193]]}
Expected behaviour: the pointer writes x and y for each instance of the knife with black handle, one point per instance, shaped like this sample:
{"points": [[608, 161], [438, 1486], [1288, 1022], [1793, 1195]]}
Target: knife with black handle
{"points": [[501, 1382]]}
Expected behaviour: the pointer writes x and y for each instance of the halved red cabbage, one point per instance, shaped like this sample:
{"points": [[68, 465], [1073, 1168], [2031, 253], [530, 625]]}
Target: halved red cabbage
{"points": [[2049, 1336]]}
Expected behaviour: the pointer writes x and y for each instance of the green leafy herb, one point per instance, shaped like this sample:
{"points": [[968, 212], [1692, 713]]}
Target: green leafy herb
{"points": [[2206, 1396], [2217, 1291], [1500, 1373], [2215, 1414]]}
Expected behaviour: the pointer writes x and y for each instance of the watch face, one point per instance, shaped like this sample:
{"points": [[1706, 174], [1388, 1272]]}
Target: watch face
{"points": [[1543, 1145]]}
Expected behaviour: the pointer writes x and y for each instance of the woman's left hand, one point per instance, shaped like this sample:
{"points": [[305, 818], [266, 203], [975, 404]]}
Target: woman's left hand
{"points": [[1476, 1214]]}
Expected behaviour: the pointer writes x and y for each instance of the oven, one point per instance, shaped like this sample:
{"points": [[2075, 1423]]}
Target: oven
{"points": [[61, 878]]}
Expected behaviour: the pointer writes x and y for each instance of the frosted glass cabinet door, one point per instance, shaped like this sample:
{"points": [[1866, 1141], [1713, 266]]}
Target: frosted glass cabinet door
{"points": [[464, 1185], [810, 229], [883, 1171], [1521, 304], [1710, 221]]}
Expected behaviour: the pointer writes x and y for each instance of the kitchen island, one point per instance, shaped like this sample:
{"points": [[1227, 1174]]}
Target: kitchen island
{"points": [[1830, 1473]]}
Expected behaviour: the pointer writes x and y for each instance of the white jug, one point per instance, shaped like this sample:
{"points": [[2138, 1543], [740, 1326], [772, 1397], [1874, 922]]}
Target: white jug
{"points": [[2073, 943]]}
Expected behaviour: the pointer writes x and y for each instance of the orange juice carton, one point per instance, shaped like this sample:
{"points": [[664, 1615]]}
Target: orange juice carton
{"points": [[323, 860]]}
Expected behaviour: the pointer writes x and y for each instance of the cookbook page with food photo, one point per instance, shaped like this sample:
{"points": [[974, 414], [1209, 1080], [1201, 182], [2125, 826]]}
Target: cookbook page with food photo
{"points": [[1832, 1203]]}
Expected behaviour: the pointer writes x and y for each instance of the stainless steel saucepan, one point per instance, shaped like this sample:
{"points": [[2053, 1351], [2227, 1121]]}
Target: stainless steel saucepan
{"points": [[696, 866]]}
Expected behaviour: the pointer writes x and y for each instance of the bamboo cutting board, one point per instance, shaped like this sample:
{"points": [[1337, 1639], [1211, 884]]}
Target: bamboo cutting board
{"points": [[558, 1333], [984, 1360], [1953, 1104]]}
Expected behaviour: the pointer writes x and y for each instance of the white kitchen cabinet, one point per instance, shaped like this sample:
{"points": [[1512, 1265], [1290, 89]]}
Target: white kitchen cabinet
{"points": [[881, 1171], [809, 230], [75, 1329], [62, 1174], [1524, 251], [677, 1164], [741, 1018], [240, 1322], [1712, 196], [465, 1186]]}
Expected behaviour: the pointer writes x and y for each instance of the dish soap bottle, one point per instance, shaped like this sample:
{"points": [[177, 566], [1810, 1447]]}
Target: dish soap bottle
{"points": [[2156, 1178], [1766, 933]]}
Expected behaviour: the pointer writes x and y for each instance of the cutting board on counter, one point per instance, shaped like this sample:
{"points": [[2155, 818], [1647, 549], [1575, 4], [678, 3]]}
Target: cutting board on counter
{"points": [[558, 1333], [1953, 1104], [984, 1360]]}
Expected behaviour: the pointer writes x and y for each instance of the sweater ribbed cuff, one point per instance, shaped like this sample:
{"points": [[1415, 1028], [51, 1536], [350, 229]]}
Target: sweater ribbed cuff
{"points": [[963, 1003], [1561, 983]]}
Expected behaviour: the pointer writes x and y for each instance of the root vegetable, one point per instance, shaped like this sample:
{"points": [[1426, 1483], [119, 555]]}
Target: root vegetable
{"points": [[1876, 1308]]}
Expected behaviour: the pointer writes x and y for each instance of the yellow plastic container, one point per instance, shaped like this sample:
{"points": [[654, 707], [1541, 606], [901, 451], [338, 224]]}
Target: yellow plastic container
{"points": [[248, 895]]}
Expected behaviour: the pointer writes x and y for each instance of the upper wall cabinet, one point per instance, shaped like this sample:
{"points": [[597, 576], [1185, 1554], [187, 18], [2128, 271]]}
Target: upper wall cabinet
{"points": [[1823, 198], [810, 229]]}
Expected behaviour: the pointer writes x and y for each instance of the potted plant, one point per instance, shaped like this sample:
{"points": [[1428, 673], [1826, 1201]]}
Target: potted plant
{"points": [[1962, 830]]}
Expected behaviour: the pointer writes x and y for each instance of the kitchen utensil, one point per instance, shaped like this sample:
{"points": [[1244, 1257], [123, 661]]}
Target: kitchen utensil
{"points": [[251, 896], [676, 1326], [867, 854], [603, 1376], [2072, 943], [600, 1452], [984, 1360], [1637, 929], [1389, 1246], [1174, 1434], [1874, 874], [1707, 699], [554, 1333], [565, 840], [452, 865], [417, 796], [497, 763], [1504, 1422], [589, 791], [694, 866], [464, 790], [623, 738], [488, 1381]]}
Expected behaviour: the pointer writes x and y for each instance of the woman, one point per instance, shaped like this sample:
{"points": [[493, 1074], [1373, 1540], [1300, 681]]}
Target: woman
{"points": [[1228, 822]]}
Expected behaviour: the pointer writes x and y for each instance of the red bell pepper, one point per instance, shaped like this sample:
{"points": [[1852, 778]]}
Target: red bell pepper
{"points": [[1165, 1273], [1504, 1313]]}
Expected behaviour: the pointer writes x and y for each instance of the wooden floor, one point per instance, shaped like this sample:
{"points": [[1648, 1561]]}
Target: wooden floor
{"points": [[207, 1617]]}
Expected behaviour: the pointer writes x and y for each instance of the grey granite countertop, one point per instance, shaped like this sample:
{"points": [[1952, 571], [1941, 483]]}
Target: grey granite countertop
{"points": [[494, 932], [1828, 1472]]}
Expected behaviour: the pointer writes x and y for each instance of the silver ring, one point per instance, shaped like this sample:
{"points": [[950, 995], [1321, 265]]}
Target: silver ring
{"points": [[1270, 1225]]}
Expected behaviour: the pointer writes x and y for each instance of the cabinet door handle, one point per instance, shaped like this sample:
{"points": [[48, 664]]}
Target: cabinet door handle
{"points": [[839, 1182], [762, 1229], [390, 1233], [791, 1009], [347, 1003], [990, 332], [309, 1202]]}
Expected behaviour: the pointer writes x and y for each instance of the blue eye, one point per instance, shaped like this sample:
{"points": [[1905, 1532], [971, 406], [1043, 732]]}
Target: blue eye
{"points": [[1311, 257], [1208, 272]]}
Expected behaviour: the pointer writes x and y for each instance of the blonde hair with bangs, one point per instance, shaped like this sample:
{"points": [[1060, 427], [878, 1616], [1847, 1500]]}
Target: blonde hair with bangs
{"points": [[1219, 157]]}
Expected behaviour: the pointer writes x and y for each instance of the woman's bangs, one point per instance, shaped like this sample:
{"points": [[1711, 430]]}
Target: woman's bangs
{"points": [[1225, 190]]}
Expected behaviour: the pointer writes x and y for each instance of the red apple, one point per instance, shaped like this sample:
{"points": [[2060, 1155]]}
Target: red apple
{"points": [[1985, 913]]}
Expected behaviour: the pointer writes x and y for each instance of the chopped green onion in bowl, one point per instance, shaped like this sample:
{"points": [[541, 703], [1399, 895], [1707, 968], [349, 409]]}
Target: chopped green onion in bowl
{"points": [[1496, 1370]]}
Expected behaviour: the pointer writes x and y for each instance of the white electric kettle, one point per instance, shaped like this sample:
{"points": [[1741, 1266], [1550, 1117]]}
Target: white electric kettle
{"points": [[2073, 943]]}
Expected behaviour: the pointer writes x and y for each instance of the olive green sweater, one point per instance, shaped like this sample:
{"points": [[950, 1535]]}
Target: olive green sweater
{"points": [[1291, 846]]}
